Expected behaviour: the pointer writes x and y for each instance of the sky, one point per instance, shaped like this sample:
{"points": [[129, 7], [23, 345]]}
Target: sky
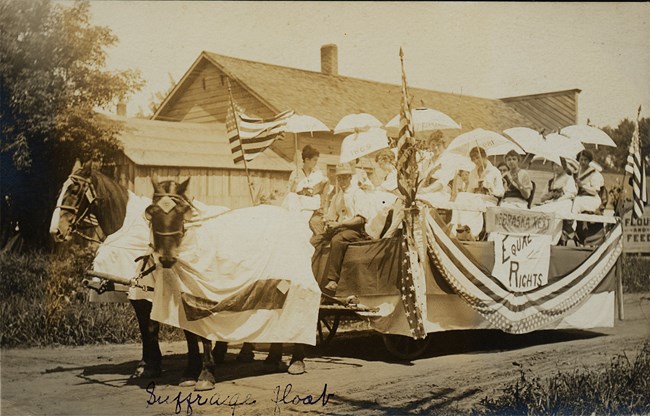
{"points": [[490, 50]]}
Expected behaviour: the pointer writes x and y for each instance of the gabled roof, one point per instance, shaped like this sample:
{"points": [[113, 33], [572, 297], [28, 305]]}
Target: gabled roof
{"points": [[330, 97], [164, 143]]}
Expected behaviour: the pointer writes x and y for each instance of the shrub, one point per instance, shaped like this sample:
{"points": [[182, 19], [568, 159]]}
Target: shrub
{"points": [[622, 388], [45, 303], [636, 273]]}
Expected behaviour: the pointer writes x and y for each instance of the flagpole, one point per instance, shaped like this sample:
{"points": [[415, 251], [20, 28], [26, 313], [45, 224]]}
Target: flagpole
{"points": [[621, 212], [236, 115]]}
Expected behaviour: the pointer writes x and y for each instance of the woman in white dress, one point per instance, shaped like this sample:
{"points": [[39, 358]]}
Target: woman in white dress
{"points": [[306, 185], [588, 181], [559, 197]]}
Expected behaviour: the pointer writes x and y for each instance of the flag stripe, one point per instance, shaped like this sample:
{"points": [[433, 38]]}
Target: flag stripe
{"points": [[533, 311], [249, 136], [636, 168], [412, 283]]}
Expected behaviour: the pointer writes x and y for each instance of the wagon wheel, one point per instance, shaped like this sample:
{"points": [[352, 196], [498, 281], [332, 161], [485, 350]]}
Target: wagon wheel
{"points": [[405, 348], [327, 326]]}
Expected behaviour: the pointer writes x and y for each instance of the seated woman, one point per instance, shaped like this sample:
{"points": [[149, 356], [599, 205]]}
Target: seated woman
{"points": [[306, 185], [382, 201], [386, 161], [589, 182], [484, 186], [559, 198], [518, 185], [561, 191], [504, 169], [360, 178]]}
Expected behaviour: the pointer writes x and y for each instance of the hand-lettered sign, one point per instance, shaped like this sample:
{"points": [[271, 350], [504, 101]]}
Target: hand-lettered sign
{"points": [[521, 262]]}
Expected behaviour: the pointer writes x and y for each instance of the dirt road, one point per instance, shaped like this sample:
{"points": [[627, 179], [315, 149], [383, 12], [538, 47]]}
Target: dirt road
{"points": [[355, 375]]}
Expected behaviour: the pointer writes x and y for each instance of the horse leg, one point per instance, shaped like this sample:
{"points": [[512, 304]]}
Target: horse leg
{"points": [[297, 364], [206, 378], [246, 354], [151, 354], [273, 360], [193, 369], [219, 351]]}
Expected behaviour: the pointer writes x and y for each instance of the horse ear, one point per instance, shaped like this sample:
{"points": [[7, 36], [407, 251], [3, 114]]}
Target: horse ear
{"points": [[183, 187], [154, 182], [76, 167]]}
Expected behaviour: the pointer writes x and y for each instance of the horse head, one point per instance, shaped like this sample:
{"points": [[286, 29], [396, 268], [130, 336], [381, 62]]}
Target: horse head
{"points": [[88, 191], [75, 201], [169, 210]]}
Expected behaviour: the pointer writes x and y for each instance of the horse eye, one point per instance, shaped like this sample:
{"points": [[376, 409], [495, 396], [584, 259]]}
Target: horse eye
{"points": [[151, 210]]}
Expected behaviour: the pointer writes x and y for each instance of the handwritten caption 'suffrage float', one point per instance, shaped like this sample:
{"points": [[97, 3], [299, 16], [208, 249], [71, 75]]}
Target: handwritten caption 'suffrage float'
{"points": [[187, 402]]}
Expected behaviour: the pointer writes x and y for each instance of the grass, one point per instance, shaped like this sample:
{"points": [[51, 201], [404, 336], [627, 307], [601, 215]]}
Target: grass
{"points": [[636, 273], [621, 388], [44, 303]]}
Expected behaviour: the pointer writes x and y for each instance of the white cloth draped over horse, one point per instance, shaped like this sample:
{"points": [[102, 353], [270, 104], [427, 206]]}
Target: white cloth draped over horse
{"points": [[116, 255], [243, 276]]}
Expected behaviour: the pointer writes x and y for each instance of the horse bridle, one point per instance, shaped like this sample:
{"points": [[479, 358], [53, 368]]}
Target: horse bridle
{"points": [[85, 193], [167, 202]]}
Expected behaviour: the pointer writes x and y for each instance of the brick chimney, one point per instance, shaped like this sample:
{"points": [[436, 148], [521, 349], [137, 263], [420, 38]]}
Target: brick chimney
{"points": [[329, 59], [121, 109]]}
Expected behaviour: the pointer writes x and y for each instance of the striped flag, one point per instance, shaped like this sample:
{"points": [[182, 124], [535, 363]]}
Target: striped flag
{"points": [[407, 167], [250, 136], [412, 283], [636, 168]]}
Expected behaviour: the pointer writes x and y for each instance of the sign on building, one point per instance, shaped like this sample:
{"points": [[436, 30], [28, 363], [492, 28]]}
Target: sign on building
{"points": [[636, 233]]}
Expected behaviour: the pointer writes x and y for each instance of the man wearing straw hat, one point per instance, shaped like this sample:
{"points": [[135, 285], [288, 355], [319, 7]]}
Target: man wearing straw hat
{"points": [[345, 221]]}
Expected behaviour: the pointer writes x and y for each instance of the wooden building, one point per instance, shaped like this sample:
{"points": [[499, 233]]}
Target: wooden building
{"points": [[202, 97], [200, 151]]}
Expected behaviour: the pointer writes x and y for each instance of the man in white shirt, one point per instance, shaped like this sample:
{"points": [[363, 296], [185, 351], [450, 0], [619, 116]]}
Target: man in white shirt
{"points": [[345, 220]]}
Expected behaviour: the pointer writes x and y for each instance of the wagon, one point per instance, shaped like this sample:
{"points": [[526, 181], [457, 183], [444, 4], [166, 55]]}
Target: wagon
{"points": [[462, 288]]}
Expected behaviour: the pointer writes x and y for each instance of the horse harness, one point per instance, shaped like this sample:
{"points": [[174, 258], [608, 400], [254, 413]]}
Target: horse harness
{"points": [[167, 202], [85, 193]]}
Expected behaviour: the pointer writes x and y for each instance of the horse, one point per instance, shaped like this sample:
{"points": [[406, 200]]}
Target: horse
{"points": [[168, 214], [88, 191]]}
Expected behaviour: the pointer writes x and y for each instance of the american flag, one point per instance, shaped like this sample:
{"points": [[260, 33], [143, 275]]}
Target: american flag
{"points": [[412, 280], [250, 136], [636, 168]]}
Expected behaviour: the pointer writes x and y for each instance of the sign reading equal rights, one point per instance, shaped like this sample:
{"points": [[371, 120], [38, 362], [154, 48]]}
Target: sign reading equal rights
{"points": [[522, 246]]}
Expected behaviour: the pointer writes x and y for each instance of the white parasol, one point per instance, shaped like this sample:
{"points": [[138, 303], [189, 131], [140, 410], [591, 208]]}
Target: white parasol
{"points": [[353, 123], [588, 134], [363, 143], [425, 120], [303, 124], [493, 143], [532, 141], [563, 145]]}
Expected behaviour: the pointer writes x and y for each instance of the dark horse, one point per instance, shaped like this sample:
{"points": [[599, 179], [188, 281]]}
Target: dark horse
{"points": [[169, 210], [88, 191]]}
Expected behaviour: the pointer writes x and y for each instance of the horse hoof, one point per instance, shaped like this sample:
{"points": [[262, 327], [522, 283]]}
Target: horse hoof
{"points": [[297, 367], [274, 366], [150, 372], [187, 383], [203, 385]]}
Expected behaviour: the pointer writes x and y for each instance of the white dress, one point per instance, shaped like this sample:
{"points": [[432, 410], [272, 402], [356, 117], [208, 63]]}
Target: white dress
{"points": [[305, 205]]}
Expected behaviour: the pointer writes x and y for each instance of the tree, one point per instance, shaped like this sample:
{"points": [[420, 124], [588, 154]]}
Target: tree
{"points": [[616, 158], [52, 79], [156, 99]]}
